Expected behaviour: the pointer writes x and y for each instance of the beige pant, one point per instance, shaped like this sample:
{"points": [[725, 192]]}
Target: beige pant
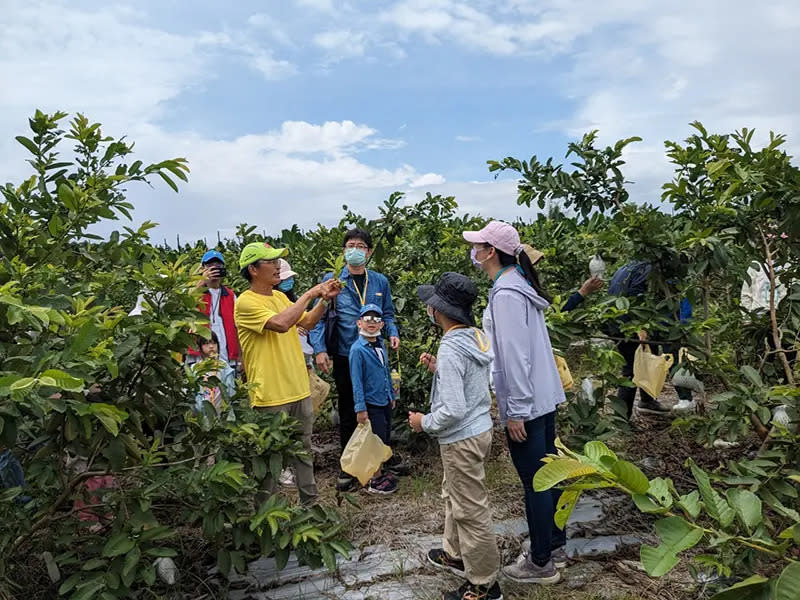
{"points": [[303, 411], [468, 529]]}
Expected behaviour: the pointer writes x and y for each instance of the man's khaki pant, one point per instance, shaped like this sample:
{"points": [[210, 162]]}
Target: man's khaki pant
{"points": [[303, 411], [468, 529]]}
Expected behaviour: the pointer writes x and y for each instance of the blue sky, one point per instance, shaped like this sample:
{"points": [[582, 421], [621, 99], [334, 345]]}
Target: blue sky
{"points": [[286, 110]]}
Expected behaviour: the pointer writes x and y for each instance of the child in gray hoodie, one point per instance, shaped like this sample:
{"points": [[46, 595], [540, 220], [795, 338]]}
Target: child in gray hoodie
{"points": [[460, 420]]}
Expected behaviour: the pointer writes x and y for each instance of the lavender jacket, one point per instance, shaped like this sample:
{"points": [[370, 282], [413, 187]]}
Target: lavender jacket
{"points": [[524, 371]]}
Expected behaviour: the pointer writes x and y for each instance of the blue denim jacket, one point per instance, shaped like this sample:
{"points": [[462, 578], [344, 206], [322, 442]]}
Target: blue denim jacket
{"points": [[348, 306], [372, 381]]}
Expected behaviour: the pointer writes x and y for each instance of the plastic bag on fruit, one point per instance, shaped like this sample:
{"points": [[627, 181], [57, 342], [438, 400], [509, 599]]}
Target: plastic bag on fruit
{"points": [[319, 390], [650, 370], [364, 454]]}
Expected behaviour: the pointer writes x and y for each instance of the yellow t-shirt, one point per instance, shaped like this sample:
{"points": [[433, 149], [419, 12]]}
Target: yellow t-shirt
{"points": [[272, 360]]}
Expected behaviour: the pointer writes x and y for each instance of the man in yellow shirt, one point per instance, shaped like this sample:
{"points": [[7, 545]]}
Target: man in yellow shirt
{"points": [[273, 360]]}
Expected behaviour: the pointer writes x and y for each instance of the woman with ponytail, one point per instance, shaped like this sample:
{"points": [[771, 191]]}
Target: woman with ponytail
{"points": [[527, 386]]}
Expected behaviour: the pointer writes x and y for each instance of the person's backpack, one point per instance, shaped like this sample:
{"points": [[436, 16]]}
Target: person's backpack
{"points": [[630, 279]]}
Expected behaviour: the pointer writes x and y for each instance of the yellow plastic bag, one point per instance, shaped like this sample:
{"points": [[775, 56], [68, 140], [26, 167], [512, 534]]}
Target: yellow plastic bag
{"points": [[650, 370], [364, 453], [319, 390], [563, 372]]}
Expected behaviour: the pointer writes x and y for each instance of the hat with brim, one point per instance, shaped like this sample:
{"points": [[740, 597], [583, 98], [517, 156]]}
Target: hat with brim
{"points": [[259, 251], [370, 308], [533, 254], [453, 295], [285, 270]]}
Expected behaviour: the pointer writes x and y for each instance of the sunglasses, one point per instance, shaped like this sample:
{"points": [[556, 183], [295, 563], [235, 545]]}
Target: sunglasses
{"points": [[372, 319]]}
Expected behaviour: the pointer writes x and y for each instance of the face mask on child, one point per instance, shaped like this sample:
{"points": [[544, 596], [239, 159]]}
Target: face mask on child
{"points": [[432, 315], [286, 285], [367, 334]]}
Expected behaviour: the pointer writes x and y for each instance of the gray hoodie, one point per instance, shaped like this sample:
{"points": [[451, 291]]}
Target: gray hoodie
{"points": [[460, 398], [524, 372]]}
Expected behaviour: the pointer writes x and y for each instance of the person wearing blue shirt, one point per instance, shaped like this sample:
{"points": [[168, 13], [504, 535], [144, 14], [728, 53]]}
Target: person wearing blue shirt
{"points": [[373, 396], [361, 286]]}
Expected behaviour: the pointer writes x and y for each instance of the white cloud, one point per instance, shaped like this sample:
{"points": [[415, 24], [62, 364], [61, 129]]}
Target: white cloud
{"points": [[324, 6], [426, 180], [468, 138], [341, 43]]}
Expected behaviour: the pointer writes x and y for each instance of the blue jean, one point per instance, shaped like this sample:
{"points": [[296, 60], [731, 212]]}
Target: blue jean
{"points": [[540, 507], [380, 418]]}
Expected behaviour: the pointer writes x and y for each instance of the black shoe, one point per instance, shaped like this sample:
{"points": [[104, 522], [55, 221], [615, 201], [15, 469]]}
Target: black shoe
{"points": [[652, 408], [396, 466], [469, 591], [345, 482], [442, 560]]}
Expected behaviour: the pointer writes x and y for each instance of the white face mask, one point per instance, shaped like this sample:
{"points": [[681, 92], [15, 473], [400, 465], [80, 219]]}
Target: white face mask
{"points": [[367, 334], [432, 315]]}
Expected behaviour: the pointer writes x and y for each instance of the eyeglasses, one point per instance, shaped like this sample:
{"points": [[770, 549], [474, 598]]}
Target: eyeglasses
{"points": [[372, 319], [357, 246]]}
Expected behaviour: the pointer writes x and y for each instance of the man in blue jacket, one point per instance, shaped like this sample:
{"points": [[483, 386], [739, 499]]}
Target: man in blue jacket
{"points": [[361, 286]]}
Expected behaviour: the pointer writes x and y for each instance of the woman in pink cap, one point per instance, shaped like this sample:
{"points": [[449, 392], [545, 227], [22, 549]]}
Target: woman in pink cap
{"points": [[527, 386]]}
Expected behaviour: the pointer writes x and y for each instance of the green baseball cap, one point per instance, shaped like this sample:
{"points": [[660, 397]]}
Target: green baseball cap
{"points": [[260, 251]]}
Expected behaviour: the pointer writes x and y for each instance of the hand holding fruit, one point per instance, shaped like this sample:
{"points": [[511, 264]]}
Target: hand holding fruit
{"points": [[590, 286], [429, 360], [331, 289], [415, 421]]}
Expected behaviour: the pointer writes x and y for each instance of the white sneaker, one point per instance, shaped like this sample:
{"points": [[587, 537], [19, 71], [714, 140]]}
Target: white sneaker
{"points": [[684, 407], [287, 478]]}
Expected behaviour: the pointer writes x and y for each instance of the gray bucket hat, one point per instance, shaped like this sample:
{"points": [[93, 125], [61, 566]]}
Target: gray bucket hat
{"points": [[453, 295]]}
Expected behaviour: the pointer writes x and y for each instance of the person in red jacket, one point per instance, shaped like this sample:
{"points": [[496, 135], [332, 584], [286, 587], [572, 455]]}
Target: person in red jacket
{"points": [[217, 302]]}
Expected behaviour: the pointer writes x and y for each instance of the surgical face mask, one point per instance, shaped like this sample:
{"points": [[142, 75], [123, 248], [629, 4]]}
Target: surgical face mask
{"points": [[286, 284], [432, 315], [364, 333], [473, 254], [355, 257]]}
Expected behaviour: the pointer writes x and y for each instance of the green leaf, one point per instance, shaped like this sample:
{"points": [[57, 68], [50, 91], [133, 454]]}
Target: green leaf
{"points": [[788, 583], [328, 557], [88, 590], [646, 505], [118, 545], [716, 506], [752, 588], [63, 380], [131, 561], [560, 469], [660, 490], [28, 143], [22, 384], [161, 552], [676, 536], [259, 467], [70, 583], [631, 476], [747, 506], [566, 502], [752, 376], [594, 451], [224, 562], [275, 465], [94, 563], [690, 503]]}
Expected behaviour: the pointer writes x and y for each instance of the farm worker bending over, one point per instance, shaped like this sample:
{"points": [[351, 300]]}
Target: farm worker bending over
{"points": [[273, 360], [527, 386], [460, 419], [361, 286], [217, 303]]}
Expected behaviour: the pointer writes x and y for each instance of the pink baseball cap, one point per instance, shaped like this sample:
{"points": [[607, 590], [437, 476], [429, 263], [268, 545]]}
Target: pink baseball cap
{"points": [[498, 234]]}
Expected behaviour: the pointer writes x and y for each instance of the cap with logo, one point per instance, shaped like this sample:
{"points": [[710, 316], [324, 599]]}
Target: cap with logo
{"points": [[370, 308], [212, 255]]}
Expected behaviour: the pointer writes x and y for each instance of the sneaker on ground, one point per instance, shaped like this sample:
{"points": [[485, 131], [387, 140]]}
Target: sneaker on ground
{"points": [[685, 406], [470, 591], [287, 478], [442, 560], [382, 485], [345, 482], [557, 555], [528, 572], [652, 408], [396, 466]]}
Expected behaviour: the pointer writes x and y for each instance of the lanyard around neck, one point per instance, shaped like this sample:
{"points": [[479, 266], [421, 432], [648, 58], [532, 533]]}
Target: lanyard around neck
{"points": [[501, 271], [362, 297]]}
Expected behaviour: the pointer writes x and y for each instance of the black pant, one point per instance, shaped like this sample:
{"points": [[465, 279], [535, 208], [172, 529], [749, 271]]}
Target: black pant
{"points": [[540, 507], [628, 394], [344, 390], [380, 419]]}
